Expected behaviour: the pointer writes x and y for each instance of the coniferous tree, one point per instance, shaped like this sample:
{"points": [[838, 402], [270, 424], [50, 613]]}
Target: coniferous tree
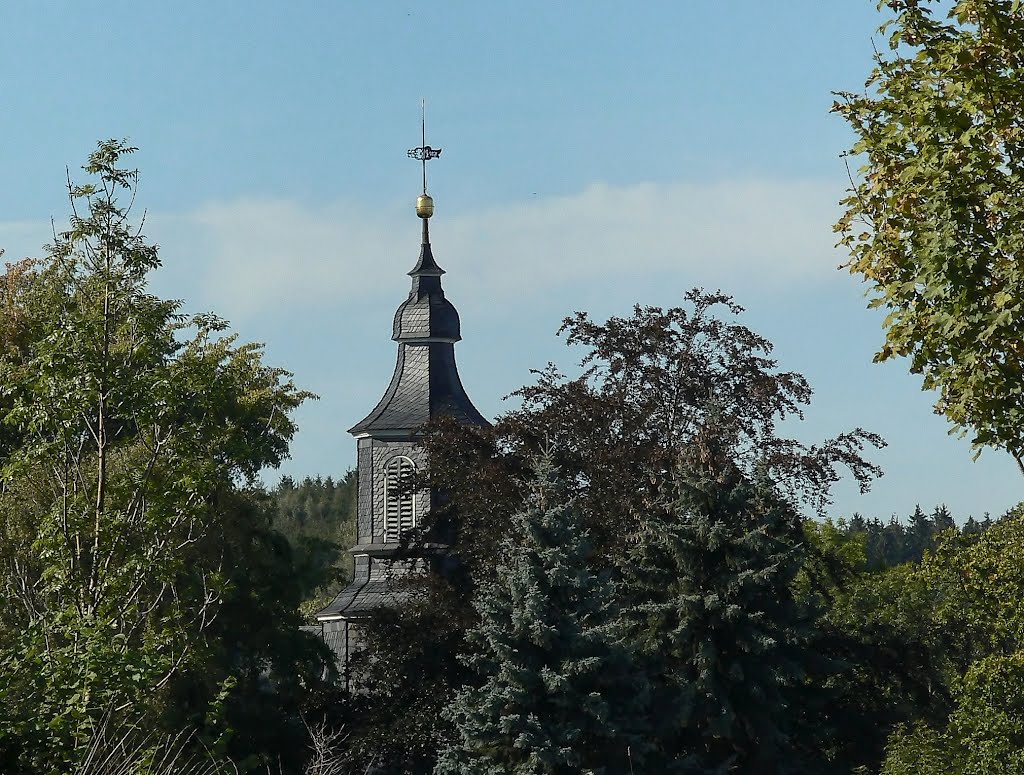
{"points": [[858, 524], [918, 535], [560, 693], [894, 542], [715, 612], [971, 527], [942, 519]]}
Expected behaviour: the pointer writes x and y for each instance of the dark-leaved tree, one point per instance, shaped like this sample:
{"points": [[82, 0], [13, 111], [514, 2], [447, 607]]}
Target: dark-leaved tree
{"points": [[655, 387]]}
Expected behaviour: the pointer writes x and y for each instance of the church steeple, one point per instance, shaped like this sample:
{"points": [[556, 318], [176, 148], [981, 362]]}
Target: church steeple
{"points": [[426, 381], [426, 266], [425, 385]]}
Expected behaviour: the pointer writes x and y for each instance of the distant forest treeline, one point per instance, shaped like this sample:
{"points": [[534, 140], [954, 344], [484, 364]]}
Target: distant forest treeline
{"points": [[318, 517], [892, 543]]}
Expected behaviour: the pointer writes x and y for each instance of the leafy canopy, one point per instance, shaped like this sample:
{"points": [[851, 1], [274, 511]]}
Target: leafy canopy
{"points": [[129, 433], [977, 629], [935, 225]]}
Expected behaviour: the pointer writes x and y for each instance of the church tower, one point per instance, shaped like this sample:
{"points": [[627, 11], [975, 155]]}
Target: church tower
{"points": [[425, 384]]}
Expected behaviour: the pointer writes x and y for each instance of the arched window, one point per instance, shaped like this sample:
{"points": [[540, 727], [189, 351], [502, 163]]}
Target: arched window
{"points": [[399, 502]]}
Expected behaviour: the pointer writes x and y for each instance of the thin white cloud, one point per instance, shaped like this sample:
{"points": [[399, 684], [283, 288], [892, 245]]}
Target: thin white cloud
{"points": [[768, 229], [249, 255]]}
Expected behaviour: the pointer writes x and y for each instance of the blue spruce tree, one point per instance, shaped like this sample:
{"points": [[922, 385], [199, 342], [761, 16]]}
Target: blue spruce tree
{"points": [[727, 643], [559, 692]]}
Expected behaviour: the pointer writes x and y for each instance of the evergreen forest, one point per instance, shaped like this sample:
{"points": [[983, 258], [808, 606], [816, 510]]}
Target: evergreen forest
{"points": [[639, 572]]}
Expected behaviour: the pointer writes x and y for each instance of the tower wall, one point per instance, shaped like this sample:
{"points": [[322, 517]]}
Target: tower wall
{"points": [[373, 458]]}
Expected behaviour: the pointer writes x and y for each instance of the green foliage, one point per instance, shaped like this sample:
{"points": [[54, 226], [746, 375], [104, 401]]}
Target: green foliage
{"points": [[126, 534], [715, 612], [318, 517], [660, 387], [836, 555], [984, 734], [259, 673], [978, 580], [910, 633], [988, 724], [935, 224], [920, 750], [962, 601], [560, 691], [897, 662]]}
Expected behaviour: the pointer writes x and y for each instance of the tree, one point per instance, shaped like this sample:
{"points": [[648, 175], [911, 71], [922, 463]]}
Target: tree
{"points": [[935, 224], [654, 385], [896, 662], [130, 434], [560, 691], [942, 519], [975, 584], [715, 609], [919, 533]]}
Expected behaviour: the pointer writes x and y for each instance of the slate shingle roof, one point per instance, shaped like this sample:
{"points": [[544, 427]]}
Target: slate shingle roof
{"points": [[425, 384], [426, 314], [426, 380], [361, 599]]}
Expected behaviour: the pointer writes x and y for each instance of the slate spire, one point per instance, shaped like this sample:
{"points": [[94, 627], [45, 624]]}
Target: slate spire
{"points": [[425, 384], [426, 381], [426, 315]]}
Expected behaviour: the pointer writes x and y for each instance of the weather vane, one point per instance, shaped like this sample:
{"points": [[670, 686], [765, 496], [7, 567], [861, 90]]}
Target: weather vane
{"points": [[424, 153]]}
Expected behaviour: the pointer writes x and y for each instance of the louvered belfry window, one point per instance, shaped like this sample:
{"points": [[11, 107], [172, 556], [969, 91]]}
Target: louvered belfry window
{"points": [[399, 503]]}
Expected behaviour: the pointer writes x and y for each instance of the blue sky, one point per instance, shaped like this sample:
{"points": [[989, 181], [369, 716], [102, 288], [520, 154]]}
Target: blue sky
{"points": [[596, 155]]}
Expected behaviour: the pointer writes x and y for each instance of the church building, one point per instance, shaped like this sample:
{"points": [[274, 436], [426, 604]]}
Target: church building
{"points": [[425, 384]]}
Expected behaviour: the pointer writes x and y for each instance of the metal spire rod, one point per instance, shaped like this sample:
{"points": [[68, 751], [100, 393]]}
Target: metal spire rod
{"points": [[424, 153]]}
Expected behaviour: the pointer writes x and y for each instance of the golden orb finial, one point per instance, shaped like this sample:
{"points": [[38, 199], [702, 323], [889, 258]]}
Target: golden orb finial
{"points": [[424, 206]]}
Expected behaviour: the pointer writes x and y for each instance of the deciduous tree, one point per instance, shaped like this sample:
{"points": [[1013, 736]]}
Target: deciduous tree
{"points": [[130, 432], [976, 626], [935, 223]]}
